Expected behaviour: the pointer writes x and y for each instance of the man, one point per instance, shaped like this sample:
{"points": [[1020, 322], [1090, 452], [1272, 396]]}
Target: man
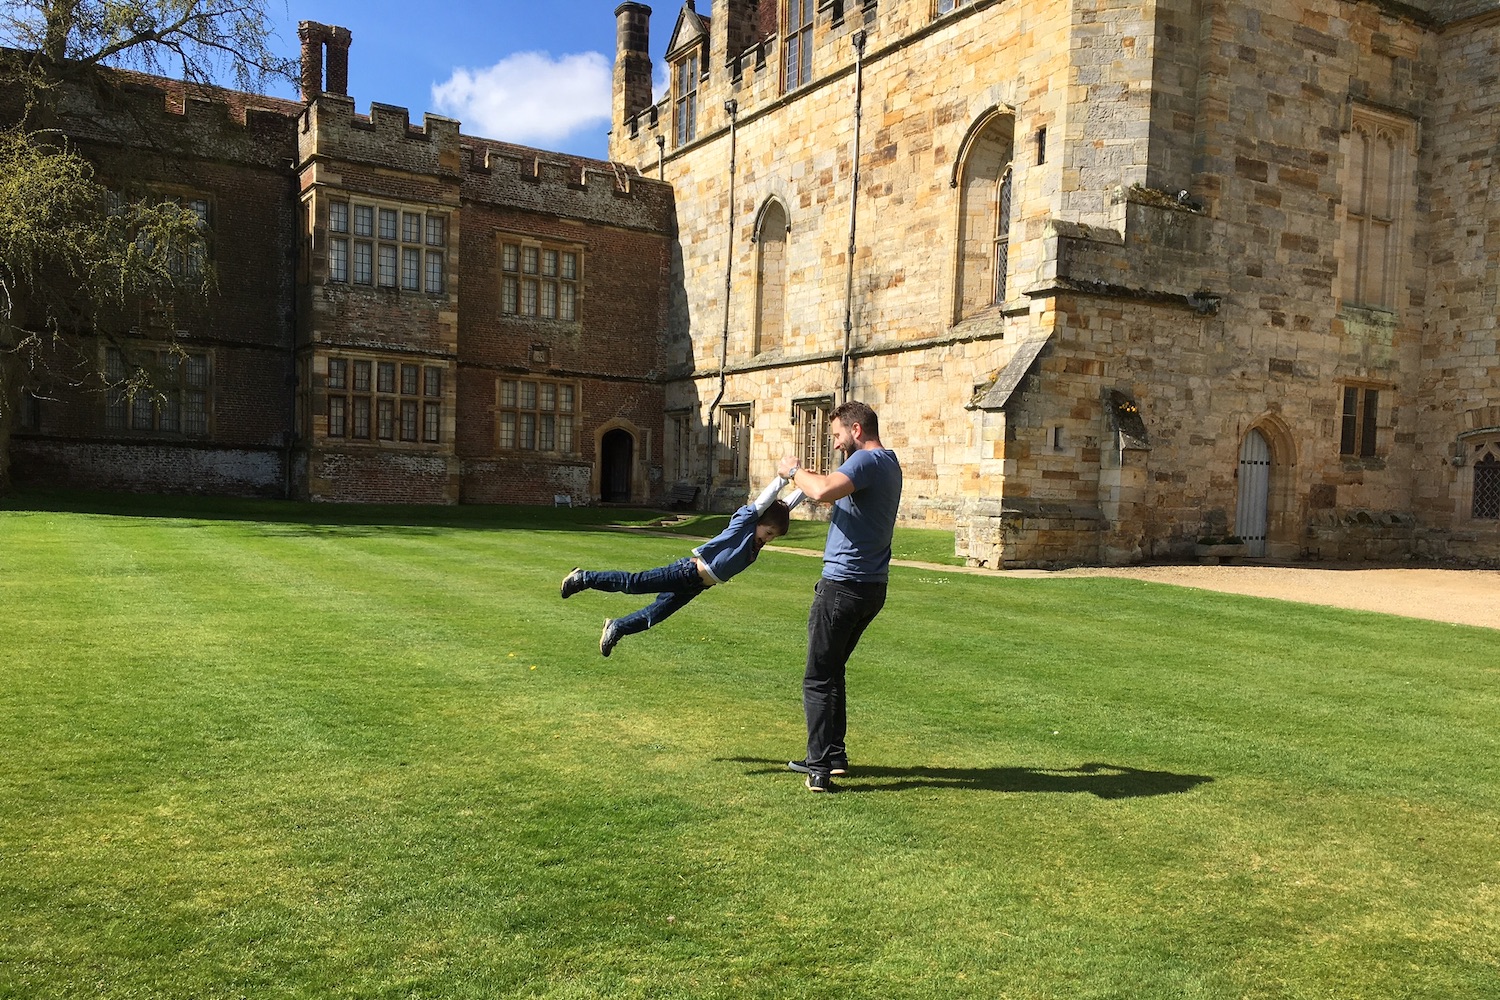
{"points": [[865, 492]]}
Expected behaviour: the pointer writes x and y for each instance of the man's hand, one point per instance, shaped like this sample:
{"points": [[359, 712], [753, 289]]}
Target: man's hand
{"points": [[785, 466]]}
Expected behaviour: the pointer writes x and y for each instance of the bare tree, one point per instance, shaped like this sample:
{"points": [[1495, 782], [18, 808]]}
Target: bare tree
{"points": [[77, 256]]}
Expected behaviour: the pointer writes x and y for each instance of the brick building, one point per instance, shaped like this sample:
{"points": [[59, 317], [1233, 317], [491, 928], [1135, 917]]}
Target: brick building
{"points": [[403, 314], [1117, 276]]}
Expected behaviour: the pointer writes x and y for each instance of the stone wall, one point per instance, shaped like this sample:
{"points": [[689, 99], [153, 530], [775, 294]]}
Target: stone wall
{"points": [[1177, 242], [1459, 392]]}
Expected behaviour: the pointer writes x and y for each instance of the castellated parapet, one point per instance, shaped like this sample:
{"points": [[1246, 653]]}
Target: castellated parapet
{"points": [[569, 187], [179, 120], [329, 127]]}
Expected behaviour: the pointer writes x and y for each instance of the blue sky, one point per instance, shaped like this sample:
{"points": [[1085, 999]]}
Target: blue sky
{"points": [[524, 71]]}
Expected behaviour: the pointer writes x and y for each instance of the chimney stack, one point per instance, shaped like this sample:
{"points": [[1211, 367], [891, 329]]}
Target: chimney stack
{"points": [[312, 35], [339, 40], [632, 83], [734, 27], [315, 37]]}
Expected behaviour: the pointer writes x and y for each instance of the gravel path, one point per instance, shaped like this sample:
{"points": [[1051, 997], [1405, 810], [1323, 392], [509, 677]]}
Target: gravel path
{"points": [[1461, 596]]}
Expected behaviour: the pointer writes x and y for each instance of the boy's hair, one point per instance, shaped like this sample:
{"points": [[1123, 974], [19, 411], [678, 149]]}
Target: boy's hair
{"points": [[778, 516], [852, 411]]}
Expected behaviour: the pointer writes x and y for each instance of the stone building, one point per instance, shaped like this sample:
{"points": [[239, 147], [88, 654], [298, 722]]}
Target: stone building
{"points": [[402, 314], [1117, 276]]}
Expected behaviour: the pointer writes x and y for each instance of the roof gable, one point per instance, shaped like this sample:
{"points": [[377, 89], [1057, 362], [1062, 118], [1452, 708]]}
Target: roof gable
{"points": [[691, 29]]}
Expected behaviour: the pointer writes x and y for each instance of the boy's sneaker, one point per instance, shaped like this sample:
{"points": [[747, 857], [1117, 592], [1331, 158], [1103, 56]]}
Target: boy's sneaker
{"points": [[609, 637], [819, 782], [573, 583], [838, 770]]}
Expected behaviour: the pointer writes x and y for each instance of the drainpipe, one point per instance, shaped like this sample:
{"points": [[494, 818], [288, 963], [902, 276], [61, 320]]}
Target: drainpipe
{"points": [[732, 107], [661, 157], [859, 92]]}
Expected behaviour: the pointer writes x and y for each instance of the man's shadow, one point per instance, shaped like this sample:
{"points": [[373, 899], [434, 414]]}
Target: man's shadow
{"points": [[1105, 781]]}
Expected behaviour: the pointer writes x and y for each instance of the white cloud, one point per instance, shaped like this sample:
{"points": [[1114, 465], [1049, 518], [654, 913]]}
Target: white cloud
{"points": [[661, 82], [529, 97]]}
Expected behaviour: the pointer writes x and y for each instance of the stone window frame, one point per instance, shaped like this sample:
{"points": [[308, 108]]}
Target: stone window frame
{"points": [[377, 399], [527, 278], [1360, 424], [681, 423], [979, 280], [735, 422], [1361, 216], [29, 413], [812, 416], [1479, 451], [687, 74], [797, 43], [158, 390], [1000, 256], [191, 262], [537, 415], [770, 282], [942, 7], [394, 252]]}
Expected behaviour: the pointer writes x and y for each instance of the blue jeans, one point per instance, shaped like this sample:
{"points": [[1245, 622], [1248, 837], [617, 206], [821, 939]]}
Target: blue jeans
{"points": [[674, 585], [840, 613]]}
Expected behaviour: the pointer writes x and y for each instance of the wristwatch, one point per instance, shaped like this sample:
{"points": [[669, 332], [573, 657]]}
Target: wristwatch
{"points": [[793, 473]]}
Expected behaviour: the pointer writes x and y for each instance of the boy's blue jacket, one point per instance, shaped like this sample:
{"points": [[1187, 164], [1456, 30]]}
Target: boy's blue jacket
{"points": [[732, 549]]}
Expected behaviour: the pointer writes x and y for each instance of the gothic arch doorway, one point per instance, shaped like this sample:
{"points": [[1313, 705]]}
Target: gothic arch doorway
{"points": [[616, 462], [1251, 514]]}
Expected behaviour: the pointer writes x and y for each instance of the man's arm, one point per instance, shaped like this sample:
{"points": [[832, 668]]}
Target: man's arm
{"points": [[823, 489]]}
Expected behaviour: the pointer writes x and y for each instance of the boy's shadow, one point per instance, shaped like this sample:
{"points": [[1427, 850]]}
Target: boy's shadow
{"points": [[1106, 781]]}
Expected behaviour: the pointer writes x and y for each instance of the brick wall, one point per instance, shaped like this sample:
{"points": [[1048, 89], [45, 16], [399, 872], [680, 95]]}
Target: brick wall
{"points": [[613, 351], [164, 141]]}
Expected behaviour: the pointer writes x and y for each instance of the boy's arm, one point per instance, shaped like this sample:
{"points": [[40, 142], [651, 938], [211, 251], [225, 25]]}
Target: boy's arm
{"points": [[794, 498], [822, 489], [767, 495]]}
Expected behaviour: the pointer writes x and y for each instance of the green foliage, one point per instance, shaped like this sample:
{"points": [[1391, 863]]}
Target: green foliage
{"points": [[76, 257], [358, 753], [198, 40]]}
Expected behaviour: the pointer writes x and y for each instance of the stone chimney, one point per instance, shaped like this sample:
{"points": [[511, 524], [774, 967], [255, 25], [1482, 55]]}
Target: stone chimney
{"points": [[632, 82], [734, 27], [315, 37]]}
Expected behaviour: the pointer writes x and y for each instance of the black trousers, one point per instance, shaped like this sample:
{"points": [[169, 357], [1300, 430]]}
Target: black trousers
{"points": [[840, 613]]}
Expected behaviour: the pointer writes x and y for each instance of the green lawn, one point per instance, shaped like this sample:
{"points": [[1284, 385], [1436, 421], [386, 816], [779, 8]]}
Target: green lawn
{"points": [[274, 751]]}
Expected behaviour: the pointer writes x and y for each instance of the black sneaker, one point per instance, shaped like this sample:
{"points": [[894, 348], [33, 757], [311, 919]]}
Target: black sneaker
{"points": [[609, 637], [819, 782], [573, 583], [838, 770]]}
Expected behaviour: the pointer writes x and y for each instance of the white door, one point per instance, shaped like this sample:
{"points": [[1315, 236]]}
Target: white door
{"points": [[1255, 487]]}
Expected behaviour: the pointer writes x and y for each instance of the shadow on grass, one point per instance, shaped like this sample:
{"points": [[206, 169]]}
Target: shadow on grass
{"points": [[1105, 781], [287, 517]]}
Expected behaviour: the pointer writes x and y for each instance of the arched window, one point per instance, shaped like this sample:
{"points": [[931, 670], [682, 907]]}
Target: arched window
{"points": [[1002, 235], [1375, 197], [770, 278], [1486, 500], [985, 198]]}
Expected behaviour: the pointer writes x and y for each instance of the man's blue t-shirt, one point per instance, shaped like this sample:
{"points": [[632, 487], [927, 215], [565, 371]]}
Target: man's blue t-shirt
{"points": [[859, 535]]}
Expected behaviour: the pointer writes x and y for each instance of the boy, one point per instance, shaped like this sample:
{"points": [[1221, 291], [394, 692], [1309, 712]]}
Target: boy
{"points": [[713, 562]]}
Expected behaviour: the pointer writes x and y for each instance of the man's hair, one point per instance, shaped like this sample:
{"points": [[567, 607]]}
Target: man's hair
{"points": [[778, 516], [853, 412]]}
